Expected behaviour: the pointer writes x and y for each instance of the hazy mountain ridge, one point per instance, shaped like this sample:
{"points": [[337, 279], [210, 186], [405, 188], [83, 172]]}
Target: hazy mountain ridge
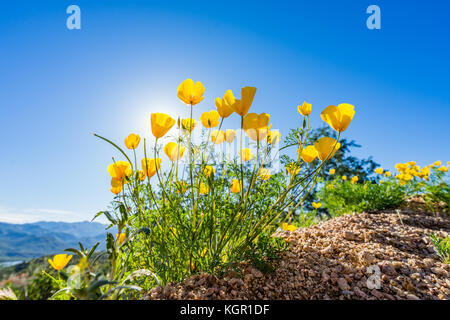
{"points": [[32, 240]]}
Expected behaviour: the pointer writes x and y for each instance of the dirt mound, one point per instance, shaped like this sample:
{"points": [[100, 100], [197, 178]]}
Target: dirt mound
{"points": [[385, 255]]}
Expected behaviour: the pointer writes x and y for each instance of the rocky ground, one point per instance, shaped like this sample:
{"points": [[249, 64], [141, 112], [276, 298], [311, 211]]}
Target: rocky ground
{"points": [[336, 258]]}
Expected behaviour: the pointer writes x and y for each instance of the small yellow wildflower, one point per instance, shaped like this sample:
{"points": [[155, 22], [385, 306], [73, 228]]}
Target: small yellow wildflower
{"points": [[316, 205], [288, 227], [59, 261]]}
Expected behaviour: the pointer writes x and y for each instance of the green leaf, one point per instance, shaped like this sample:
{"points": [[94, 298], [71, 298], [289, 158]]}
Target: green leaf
{"points": [[92, 250], [76, 251]]}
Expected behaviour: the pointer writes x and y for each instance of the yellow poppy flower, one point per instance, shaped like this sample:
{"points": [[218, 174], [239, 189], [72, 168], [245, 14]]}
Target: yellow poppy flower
{"points": [[245, 154], [344, 178], [273, 137], [316, 205], [379, 170], [338, 117], [188, 124], [59, 261], [217, 136], [387, 174], [256, 126], [229, 135], [132, 141], [210, 119], [190, 93], [223, 108], [151, 166], [443, 169], [411, 163], [437, 163], [121, 237], [174, 151], [380, 182], [161, 124], [288, 227], [120, 170], [309, 153], [235, 186], [332, 171], [264, 174], [325, 146], [304, 109], [404, 176], [208, 170], [401, 166], [204, 189], [241, 106], [354, 179]]}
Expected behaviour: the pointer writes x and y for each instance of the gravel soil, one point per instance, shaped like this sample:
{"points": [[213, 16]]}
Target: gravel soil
{"points": [[382, 255]]}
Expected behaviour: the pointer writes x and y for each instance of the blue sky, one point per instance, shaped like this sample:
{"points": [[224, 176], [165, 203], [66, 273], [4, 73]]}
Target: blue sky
{"points": [[58, 86]]}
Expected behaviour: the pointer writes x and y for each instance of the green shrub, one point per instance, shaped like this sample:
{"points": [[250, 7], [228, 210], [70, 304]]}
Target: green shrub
{"points": [[342, 197]]}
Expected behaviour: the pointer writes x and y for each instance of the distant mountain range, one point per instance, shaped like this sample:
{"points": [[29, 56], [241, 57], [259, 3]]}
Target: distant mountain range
{"points": [[32, 240]]}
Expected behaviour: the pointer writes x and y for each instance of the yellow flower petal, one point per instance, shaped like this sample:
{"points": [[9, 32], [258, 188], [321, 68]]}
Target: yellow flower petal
{"points": [[326, 147], [210, 119], [190, 93], [338, 117], [161, 124]]}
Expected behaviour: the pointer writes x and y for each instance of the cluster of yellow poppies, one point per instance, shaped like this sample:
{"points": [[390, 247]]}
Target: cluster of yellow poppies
{"points": [[255, 126], [409, 170], [338, 117]]}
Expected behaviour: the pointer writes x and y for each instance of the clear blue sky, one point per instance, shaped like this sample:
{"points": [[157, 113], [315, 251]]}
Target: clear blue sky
{"points": [[58, 86]]}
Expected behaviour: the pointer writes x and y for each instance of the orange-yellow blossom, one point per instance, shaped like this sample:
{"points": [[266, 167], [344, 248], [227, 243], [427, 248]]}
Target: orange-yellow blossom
{"points": [[229, 135], [161, 124], [190, 93], [235, 186], [256, 125], [223, 107], [217, 136], [316, 205], [309, 153], [241, 106], [208, 170], [264, 174], [151, 166], [188, 124], [304, 109], [174, 151], [288, 227], [132, 141], [245, 154], [59, 261], [338, 117], [210, 119], [325, 146]]}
